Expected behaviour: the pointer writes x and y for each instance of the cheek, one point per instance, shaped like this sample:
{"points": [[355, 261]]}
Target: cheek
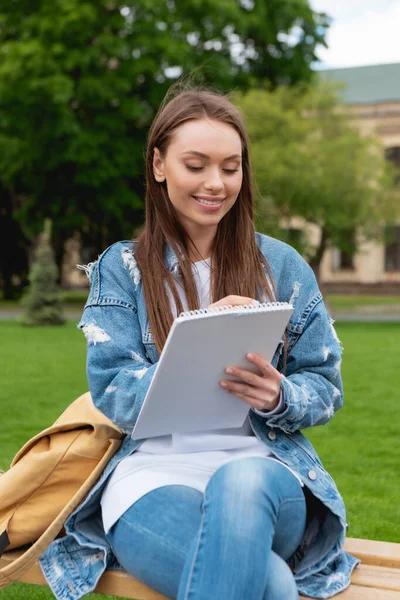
{"points": [[180, 182]]}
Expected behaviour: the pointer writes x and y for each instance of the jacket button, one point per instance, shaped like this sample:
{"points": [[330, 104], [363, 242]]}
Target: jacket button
{"points": [[272, 435], [312, 475]]}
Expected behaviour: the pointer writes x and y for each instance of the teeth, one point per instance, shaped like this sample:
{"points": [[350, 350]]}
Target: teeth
{"points": [[208, 201]]}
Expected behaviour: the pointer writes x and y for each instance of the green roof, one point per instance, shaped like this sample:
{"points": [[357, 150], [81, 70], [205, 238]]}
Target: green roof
{"points": [[366, 85]]}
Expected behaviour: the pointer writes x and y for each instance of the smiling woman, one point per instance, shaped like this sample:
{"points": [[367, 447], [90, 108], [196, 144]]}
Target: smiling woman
{"points": [[222, 512], [202, 185]]}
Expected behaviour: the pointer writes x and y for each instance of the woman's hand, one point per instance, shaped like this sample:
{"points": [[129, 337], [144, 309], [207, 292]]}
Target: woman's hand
{"points": [[261, 391], [233, 301]]}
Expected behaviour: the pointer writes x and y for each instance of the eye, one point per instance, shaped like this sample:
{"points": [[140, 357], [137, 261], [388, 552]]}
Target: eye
{"points": [[197, 169]]}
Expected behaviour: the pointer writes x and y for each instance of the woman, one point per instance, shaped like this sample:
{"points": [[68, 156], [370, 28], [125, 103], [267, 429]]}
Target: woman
{"points": [[246, 513]]}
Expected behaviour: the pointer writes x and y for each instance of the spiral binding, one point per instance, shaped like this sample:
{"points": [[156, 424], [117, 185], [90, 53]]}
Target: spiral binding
{"points": [[251, 308]]}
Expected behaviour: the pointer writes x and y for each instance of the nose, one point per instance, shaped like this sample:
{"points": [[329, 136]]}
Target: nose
{"points": [[214, 181]]}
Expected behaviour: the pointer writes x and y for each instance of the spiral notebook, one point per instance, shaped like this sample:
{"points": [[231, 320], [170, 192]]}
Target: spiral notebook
{"points": [[184, 395]]}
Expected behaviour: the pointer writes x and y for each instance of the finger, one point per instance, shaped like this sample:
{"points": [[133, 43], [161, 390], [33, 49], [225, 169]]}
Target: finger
{"points": [[260, 362], [246, 376], [234, 387], [233, 300]]}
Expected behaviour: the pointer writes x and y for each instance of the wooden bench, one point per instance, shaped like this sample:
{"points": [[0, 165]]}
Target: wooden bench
{"points": [[376, 578]]}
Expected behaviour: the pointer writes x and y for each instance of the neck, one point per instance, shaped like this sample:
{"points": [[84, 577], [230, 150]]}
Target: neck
{"points": [[203, 246]]}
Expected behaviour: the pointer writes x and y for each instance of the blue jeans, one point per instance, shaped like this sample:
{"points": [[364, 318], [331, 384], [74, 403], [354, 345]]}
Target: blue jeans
{"points": [[229, 544]]}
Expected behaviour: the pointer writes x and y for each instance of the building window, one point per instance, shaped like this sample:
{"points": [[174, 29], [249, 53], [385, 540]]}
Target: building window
{"points": [[392, 249], [393, 155]]}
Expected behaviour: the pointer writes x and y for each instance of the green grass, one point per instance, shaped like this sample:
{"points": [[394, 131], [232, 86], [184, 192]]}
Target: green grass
{"points": [[44, 370], [360, 445], [23, 591]]}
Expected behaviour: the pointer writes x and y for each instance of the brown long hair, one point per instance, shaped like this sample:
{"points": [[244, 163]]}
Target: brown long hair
{"points": [[237, 263]]}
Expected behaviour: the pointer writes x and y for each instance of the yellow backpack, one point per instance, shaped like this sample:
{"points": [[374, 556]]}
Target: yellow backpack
{"points": [[49, 477]]}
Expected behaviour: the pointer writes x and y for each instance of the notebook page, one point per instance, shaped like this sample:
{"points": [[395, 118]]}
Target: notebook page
{"points": [[184, 395]]}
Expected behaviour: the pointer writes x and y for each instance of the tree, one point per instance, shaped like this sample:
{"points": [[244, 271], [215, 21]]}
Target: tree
{"points": [[311, 162], [42, 301], [80, 82]]}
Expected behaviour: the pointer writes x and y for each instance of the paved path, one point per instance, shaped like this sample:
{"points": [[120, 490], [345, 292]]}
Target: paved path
{"points": [[74, 314], [367, 317]]}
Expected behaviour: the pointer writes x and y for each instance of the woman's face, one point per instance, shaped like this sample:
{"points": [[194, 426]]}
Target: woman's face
{"points": [[203, 172]]}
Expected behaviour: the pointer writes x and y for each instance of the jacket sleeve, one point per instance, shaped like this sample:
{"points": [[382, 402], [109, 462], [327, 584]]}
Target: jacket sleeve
{"points": [[118, 370], [312, 385]]}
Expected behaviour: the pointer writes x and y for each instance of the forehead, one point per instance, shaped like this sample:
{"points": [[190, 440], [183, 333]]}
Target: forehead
{"points": [[208, 136]]}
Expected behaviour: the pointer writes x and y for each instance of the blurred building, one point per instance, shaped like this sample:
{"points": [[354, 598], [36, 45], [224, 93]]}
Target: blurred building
{"points": [[372, 96]]}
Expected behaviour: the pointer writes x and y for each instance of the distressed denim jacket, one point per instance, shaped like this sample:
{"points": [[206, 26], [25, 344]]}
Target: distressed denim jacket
{"points": [[121, 362]]}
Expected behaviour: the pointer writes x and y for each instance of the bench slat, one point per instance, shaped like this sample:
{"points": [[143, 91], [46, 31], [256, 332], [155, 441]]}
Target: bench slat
{"points": [[370, 552], [118, 583], [377, 577]]}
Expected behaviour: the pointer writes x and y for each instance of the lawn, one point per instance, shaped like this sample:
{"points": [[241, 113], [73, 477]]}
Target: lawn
{"points": [[44, 369]]}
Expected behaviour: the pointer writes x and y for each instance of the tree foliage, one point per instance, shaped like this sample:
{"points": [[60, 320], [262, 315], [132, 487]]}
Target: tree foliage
{"points": [[80, 82], [312, 162]]}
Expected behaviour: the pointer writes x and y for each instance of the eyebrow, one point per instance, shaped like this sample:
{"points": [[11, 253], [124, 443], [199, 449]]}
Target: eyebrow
{"points": [[206, 155]]}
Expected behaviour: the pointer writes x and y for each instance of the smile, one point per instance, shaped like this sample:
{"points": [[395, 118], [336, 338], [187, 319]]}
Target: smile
{"points": [[211, 203]]}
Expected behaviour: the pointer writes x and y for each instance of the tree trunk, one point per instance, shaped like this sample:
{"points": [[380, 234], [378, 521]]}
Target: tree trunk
{"points": [[14, 247], [315, 264]]}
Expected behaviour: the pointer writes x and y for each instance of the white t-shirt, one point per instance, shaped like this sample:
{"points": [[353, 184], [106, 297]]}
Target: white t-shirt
{"points": [[178, 459]]}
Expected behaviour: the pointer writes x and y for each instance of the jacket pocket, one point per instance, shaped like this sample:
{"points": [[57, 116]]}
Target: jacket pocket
{"points": [[149, 345]]}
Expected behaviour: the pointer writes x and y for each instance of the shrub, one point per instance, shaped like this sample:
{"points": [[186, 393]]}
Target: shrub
{"points": [[42, 300]]}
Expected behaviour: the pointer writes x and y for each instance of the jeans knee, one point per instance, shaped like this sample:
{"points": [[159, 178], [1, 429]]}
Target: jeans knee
{"points": [[244, 476], [280, 582], [246, 479]]}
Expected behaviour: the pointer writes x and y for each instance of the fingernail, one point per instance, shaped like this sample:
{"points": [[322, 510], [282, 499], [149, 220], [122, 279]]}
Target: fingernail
{"points": [[228, 370], [249, 356], [222, 383]]}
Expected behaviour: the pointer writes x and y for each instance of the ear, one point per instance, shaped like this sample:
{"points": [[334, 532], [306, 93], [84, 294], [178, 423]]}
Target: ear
{"points": [[158, 166]]}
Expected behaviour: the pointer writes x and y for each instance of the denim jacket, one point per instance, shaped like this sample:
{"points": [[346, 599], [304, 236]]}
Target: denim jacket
{"points": [[121, 362]]}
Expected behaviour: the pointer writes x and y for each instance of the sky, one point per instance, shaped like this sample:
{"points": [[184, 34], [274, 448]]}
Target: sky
{"points": [[363, 32]]}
